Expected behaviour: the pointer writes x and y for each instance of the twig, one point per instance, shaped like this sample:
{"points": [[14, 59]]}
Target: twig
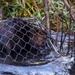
{"points": [[70, 10], [47, 13], [54, 47], [1, 14], [23, 2]]}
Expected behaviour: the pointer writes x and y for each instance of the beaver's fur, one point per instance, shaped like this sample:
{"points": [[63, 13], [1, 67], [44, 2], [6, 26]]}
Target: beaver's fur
{"points": [[19, 41]]}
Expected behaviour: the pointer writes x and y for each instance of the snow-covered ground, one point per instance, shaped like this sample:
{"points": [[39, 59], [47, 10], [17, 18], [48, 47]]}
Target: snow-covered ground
{"points": [[58, 66]]}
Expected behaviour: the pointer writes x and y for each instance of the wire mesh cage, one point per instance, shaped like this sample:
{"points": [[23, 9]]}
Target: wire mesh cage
{"points": [[22, 42]]}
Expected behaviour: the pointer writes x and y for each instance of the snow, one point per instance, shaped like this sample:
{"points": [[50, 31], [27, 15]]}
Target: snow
{"points": [[58, 66]]}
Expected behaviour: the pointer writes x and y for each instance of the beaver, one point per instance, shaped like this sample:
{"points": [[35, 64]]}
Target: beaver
{"points": [[21, 41]]}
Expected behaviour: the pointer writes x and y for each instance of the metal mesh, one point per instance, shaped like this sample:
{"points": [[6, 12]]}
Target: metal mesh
{"points": [[22, 42]]}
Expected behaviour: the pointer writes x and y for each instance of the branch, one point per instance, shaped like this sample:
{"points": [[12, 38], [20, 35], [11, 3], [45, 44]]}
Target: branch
{"points": [[70, 10], [47, 13], [1, 14]]}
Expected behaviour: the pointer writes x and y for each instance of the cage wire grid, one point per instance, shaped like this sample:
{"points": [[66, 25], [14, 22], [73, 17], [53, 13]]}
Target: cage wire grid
{"points": [[22, 42]]}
